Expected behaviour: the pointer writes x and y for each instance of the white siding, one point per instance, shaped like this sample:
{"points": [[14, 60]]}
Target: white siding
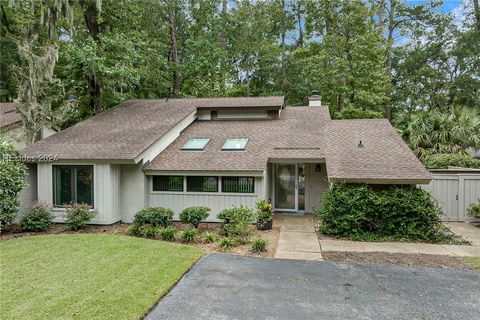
{"points": [[29, 194], [455, 192], [177, 201], [133, 191]]}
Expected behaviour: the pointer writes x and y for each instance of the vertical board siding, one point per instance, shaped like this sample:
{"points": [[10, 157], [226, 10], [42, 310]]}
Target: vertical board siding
{"points": [[455, 192]]}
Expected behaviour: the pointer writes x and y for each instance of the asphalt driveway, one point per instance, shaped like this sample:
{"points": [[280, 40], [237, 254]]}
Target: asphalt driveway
{"points": [[236, 287]]}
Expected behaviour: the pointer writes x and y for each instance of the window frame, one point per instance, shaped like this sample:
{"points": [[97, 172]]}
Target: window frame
{"points": [[175, 176], [235, 149], [237, 177], [201, 191], [183, 148], [73, 187]]}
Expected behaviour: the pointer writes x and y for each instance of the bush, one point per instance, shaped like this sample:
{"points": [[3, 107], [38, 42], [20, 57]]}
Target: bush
{"points": [[155, 216], [150, 231], [474, 209], [78, 215], [259, 245], [12, 181], [227, 243], [136, 230], [188, 235], [264, 210], [210, 237], [359, 212], [194, 215], [237, 221], [38, 218], [445, 160], [168, 233]]}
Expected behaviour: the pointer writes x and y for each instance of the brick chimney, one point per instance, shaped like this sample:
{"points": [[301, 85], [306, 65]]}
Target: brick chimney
{"points": [[314, 100]]}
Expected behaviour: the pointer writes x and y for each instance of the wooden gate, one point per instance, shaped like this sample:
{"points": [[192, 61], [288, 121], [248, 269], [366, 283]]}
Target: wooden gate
{"points": [[454, 192]]}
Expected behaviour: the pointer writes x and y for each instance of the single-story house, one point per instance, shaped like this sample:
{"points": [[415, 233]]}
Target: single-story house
{"points": [[215, 152], [11, 126]]}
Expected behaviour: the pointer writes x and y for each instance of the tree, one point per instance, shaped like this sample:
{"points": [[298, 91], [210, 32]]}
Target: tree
{"points": [[13, 173]]}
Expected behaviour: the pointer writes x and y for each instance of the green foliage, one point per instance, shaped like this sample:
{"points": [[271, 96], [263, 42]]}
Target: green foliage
{"points": [[194, 215], [228, 243], [168, 233], [237, 221], [474, 209], [445, 160], [358, 113], [397, 212], [150, 231], [189, 234], [38, 218], [136, 230], [78, 215], [155, 216], [259, 245], [210, 237], [264, 210], [12, 181]]}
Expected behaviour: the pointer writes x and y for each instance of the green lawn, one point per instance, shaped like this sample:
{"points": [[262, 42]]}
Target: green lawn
{"points": [[87, 276], [474, 262]]}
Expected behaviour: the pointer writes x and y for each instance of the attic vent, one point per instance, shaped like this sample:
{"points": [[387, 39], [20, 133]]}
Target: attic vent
{"points": [[229, 115]]}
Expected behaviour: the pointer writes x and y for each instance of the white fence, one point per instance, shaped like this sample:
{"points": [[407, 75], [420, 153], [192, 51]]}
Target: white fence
{"points": [[455, 192]]}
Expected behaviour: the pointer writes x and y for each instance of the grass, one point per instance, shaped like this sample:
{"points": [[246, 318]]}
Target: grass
{"points": [[474, 262], [88, 276]]}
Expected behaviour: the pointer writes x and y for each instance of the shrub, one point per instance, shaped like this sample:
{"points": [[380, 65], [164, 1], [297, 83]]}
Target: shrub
{"points": [[150, 231], [445, 160], [259, 245], [210, 237], [194, 215], [155, 216], [38, 218], [237, 221], [168, 233], [227, 243], [264, 210], [12, 181], [78, 215], [136, 230], [474, 209], [188, 235], [359, 212]]}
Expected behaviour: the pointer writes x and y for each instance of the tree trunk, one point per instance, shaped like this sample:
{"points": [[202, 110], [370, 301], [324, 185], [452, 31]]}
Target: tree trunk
{"points": [[381, 16], [283, 46], [476, 8], [91, 14], [388, 63], [173, 48], [223, 41], [298, 16]]}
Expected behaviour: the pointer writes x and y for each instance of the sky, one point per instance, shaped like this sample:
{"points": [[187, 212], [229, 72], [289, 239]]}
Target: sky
{"points": [[447, 6]]}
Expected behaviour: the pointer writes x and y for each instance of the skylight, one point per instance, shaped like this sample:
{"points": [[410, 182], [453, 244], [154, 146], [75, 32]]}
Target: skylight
{"points": [[196, 144], [235, 144]]}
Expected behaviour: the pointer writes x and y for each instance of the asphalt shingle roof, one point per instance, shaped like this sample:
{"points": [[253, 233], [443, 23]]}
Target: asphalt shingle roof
{"points": [[8, 115]]}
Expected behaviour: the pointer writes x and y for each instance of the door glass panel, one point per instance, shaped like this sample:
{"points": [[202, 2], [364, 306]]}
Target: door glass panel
{"points": [[301, 186], [285, 186]]}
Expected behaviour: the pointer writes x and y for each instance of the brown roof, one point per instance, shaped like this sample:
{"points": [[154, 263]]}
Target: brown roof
{"points": [[125, 131], [384, 155], [8, 114], [266, 139]]}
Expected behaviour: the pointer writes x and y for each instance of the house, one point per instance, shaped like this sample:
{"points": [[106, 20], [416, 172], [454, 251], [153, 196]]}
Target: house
{"points": [[215, 152], [12, 128]]}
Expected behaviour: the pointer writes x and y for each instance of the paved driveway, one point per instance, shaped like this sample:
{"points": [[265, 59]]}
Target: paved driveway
{"points": [[237, 287]]}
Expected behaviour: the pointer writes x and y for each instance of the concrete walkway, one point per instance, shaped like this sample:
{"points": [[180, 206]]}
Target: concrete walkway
{"points": [[297, 239]]}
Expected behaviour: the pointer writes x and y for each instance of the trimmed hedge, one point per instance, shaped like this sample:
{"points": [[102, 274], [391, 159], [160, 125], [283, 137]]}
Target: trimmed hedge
{"points": [[155, 216], [38, 218], [399, 212], [444, 160], [194, 215]]}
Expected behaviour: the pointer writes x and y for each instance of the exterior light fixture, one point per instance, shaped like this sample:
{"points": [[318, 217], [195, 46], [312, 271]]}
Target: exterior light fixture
{"points": [[318, 168], [360, 144]]}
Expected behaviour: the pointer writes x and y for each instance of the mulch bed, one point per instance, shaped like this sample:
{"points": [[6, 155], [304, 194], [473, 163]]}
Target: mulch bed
{"points": [[402, 259]]}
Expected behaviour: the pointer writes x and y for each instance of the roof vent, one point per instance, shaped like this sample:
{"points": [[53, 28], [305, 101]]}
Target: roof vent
{"points": [[315, 100], [360, 144]]}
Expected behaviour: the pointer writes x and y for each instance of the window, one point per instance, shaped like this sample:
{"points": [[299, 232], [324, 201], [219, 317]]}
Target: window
{"points": [[196, 144], [167, 183], [202, 184], [235, 144], [238, 184], [72, 184]]}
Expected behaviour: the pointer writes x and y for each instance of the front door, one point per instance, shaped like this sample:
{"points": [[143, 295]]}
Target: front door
{"points": [[290, 187]]}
